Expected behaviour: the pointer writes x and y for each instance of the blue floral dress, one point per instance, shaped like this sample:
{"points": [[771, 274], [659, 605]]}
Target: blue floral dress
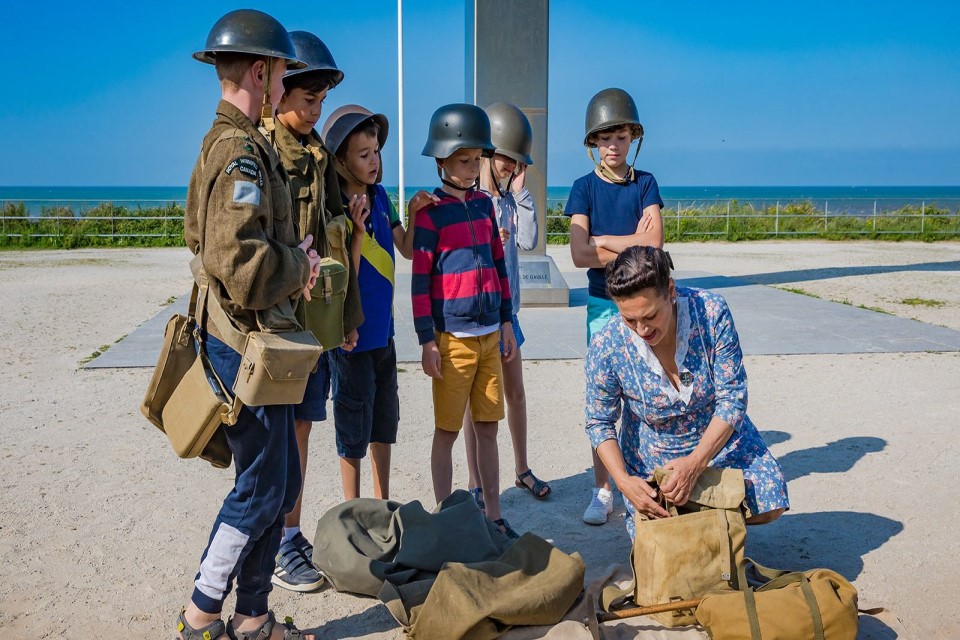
{"points": [[660, 423]]}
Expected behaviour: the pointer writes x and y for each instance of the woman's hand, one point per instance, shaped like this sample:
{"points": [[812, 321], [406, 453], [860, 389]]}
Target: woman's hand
{"points": [[685, 473], [519, 178], [642, 496]]}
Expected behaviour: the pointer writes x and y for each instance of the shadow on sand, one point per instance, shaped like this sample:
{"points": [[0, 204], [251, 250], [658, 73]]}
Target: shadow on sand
{"points": [[834, 457]]}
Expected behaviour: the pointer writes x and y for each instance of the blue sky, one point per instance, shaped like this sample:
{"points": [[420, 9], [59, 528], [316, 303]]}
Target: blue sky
{"points": [[734, 93]]}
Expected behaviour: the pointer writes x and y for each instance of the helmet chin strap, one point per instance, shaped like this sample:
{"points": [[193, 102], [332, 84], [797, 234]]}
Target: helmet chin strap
{"points": [[454, 185], [346, 174], [606, 172], [266, 110]]}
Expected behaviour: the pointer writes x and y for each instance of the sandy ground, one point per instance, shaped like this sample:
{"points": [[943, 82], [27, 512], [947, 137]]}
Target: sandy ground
{"points": [[101, 526]]}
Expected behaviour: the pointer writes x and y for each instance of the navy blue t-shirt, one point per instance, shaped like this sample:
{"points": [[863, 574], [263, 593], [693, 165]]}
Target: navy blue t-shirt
{"points": [[613, 209]]}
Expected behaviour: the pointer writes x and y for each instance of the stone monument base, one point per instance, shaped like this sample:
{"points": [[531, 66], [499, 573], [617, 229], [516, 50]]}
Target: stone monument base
{"points": [[541, 282]]}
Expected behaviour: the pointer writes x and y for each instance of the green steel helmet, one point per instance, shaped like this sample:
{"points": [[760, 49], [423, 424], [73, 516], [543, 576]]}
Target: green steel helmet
{"points": [[610, 108], [510, 131], [253, 32], [311, 50], [345, 120], [458, 126]]}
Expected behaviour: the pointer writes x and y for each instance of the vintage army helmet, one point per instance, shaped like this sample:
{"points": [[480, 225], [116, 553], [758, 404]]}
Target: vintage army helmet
{"points": [[343, 122], [611, 108], [510, 131], [458, 126], [311, 50], [253, 32]]}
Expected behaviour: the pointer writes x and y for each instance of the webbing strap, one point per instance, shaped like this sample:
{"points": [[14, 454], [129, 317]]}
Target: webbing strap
{"points": [[377, 256], [612, 594], [778, 579]]}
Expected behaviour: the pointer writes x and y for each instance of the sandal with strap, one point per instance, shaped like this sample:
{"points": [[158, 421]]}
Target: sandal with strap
{"points": [[538, 485], [210, 632], [478, 497], [265, 631], [503, 524]]}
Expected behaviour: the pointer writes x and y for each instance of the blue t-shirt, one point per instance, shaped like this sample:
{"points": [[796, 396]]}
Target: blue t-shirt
{"points": [[376, 290], [613, 209]]}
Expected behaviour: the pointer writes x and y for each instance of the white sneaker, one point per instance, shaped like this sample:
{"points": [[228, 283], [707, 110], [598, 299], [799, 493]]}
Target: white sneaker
{"points": [[601, 505]]}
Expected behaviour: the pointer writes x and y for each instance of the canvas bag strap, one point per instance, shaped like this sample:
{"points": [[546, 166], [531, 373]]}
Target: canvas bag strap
{"points": [[230, 411], [612, 595], [779, 579]]}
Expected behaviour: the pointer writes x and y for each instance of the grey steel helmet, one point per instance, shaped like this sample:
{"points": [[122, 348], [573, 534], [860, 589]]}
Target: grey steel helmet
{"points": [[458, 126], [345, 120], [610, 108], [510, 131], [311, 50], [249, 31]]}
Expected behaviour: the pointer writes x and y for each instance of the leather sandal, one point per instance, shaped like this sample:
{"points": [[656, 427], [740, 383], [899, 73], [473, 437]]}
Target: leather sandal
{"points": [[477, 494], [506, 529], [265, 631], [210, 632], [538, 485]]}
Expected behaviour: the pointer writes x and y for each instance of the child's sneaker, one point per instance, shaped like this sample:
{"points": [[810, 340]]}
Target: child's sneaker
{"points": [[295, 571], [601, 505], [301, 542]]}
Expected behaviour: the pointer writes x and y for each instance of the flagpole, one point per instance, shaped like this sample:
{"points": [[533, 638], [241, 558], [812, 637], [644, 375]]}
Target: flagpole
{"points": [[400, 199]]}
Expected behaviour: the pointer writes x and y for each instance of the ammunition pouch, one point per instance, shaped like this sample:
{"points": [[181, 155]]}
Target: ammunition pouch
{"points": [[322, 315]]}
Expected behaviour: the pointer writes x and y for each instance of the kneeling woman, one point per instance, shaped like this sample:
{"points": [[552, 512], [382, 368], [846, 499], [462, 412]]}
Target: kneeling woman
{"points": [[672, 357]]}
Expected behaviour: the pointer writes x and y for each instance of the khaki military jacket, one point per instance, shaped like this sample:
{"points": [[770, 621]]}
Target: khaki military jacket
{"points": [[239, 219], [318, 208]]}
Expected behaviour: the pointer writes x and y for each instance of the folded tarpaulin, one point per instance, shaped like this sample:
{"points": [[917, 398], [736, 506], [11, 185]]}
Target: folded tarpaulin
{"points": [[449, 574], [533, 583], [362, 543]]}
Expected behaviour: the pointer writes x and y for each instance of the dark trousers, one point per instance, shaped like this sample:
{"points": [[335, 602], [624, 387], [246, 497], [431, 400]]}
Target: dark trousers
{"points": [[246, 535]]}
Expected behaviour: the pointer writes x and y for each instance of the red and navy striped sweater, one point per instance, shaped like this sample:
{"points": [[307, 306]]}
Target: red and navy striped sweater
{"points": [[459, 274]]}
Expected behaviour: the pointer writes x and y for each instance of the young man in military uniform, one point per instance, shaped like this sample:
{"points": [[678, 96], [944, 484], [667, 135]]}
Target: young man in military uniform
{"points": [[238, 221], [317, 205]]}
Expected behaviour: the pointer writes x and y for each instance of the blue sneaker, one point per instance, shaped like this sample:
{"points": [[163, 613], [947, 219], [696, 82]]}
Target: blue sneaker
{"points": [[295, 570]]}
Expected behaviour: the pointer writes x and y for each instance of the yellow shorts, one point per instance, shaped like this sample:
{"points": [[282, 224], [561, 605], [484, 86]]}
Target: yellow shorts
{"points": [[471, 369]]}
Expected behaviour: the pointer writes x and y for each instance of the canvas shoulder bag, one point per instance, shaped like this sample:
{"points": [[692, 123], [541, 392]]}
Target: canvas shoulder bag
{"points": [[274, 366], [185, 399], [818, 604], [691, 553]]}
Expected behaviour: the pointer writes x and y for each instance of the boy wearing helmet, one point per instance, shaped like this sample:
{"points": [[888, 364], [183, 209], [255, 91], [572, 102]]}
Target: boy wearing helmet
{"points": [[319, 213], [366, 403], [611, 208], [239, 224], [461, 300], [502, 177]]}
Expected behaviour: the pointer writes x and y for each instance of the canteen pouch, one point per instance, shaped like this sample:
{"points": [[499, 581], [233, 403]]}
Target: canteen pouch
{"points": [[194, 411], [274, 367], [689, 554], [817, 604], [338, 237], [322, 315]]}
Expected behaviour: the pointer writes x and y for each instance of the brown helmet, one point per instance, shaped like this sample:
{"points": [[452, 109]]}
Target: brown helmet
{"points": [[611, 108], [510, 131]]}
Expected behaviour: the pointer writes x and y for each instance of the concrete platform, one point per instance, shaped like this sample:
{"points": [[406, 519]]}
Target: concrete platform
{"points": [[770, 322]]}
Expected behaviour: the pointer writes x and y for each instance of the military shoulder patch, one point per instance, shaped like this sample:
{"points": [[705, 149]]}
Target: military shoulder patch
{"points": [[248, 167]]}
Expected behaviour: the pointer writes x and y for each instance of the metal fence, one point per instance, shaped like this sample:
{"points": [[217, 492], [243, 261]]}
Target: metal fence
{"points": [[739, 219], [683, 219]]}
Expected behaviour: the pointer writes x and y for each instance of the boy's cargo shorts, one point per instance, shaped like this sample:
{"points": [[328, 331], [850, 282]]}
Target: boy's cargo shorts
{"points": [[471, 370]]}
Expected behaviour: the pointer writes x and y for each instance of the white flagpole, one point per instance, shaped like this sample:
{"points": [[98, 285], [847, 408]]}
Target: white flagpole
{"points": [[401, 202]]}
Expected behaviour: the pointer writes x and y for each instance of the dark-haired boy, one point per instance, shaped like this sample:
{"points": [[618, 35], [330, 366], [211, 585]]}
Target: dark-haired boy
{"points": [[317, 205]]}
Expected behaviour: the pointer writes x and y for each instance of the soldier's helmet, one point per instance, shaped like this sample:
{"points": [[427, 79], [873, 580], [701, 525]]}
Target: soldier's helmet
{"points": [[510, 131], [458, 126], [311, 50], [249, 31], [611, 108]]}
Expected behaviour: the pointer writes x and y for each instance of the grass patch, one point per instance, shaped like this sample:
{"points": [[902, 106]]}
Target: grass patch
{"points": [[800, 292], [99, 352], [923, 302]]}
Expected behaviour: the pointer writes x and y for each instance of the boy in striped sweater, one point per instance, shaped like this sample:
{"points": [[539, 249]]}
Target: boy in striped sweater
{"points": [[461, 300]]}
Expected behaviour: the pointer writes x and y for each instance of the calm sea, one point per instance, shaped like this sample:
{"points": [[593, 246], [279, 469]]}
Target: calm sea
{"points": [[836, 199]]}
